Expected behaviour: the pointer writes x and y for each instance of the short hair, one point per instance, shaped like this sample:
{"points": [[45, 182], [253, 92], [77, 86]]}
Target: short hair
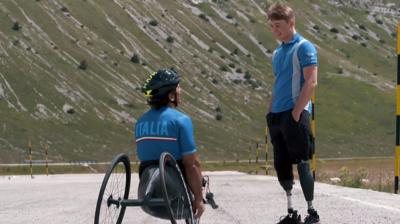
{"points": [[280, 11], [161, 101]]}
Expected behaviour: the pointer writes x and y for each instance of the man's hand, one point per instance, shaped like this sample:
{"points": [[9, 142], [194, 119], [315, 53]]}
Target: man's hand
{"points": [[296, 115], [198, 208]]}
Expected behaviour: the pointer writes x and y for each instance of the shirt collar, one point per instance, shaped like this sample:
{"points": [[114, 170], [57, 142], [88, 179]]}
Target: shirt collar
{"points": [[294, 39]]}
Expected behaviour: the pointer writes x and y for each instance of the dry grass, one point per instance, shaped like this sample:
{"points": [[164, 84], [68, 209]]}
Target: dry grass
{"points": [[375, 173], [378, 174]]}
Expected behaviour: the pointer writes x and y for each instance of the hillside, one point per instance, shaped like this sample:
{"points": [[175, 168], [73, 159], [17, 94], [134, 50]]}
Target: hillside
{"points": [[71, 71]]}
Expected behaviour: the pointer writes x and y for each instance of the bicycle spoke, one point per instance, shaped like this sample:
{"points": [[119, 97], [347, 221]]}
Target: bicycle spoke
{"points": [[116, 182]]}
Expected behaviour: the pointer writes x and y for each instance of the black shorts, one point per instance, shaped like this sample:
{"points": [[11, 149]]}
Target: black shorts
{"points": [[292, 141], [144, 164]]}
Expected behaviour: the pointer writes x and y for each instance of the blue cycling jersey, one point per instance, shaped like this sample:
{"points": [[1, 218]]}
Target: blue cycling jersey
{"points": [[164, 130], [288, 62]]}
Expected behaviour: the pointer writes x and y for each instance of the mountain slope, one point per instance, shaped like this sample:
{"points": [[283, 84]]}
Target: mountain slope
{"points": [[68, 78]]}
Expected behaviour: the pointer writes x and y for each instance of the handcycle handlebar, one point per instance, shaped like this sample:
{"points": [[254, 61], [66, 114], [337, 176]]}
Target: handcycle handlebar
{"points": [[209, 199]]}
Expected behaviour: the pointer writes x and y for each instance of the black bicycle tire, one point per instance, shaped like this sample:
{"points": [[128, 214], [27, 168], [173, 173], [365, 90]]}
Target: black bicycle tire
{"points": [[125, 160], [164, 158]]}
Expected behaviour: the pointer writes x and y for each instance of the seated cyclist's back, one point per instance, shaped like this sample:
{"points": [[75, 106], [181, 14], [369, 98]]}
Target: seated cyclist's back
{"points": [[164, 130]]}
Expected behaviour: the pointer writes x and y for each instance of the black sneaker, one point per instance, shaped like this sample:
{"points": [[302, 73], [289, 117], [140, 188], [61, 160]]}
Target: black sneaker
{"points": [[291, 218], [312, 217]]}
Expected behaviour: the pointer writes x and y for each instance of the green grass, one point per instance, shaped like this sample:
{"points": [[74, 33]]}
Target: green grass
{"points": [[351, 117], [354, 118]]}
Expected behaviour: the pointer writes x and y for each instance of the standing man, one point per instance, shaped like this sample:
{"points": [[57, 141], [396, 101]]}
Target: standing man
{"points": [[295, 67]]}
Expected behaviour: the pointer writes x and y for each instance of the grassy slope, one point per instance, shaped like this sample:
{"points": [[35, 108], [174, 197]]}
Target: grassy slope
{"points": [[354, 118]]}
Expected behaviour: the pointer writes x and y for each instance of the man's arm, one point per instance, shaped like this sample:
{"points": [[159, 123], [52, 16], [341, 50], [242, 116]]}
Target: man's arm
{"points": [[194, 178], [310, 82]]}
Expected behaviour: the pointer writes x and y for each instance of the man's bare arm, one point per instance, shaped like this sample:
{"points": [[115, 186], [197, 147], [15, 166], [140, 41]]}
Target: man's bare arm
{"points": [[194, 178], [310, 82]]}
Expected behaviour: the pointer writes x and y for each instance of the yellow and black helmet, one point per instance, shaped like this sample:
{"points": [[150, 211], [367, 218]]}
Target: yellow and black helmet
{"points": [[160, 83]]}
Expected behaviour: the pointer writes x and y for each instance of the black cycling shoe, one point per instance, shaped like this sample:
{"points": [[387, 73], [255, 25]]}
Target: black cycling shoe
{"points": [[291, 218], [312, 217]]}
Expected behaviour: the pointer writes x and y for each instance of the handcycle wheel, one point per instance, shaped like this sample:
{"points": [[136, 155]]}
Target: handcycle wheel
{"points": [[179, 206], [114, 188]]}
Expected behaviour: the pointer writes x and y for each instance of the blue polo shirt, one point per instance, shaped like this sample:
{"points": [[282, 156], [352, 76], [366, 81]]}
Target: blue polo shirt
{"points": [[164, 130], [288, 62]]}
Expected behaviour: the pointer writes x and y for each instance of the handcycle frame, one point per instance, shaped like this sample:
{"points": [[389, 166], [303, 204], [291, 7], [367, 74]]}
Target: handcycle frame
{"points": [[120, 202]]}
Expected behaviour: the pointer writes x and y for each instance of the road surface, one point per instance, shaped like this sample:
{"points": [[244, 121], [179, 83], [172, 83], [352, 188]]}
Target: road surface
{"points": [[246, 199]]}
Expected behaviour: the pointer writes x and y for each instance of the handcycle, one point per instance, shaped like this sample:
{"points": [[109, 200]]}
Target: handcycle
{"points": [[163, 193]]}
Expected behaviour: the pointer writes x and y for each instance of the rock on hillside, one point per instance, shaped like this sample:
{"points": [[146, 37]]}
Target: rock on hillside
{"points": [[72, 81]]}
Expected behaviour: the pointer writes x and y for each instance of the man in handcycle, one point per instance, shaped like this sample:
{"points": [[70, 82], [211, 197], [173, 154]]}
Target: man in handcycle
{"points": [[164, 129]]}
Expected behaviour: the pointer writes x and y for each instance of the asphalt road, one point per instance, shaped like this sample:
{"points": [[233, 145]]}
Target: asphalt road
{"points": [[247, 199]]}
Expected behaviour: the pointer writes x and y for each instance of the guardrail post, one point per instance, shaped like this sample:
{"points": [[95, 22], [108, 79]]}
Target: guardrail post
{"points": [[30, 157], [46, 148], [397, 149], [266, 150], [313, 130]]}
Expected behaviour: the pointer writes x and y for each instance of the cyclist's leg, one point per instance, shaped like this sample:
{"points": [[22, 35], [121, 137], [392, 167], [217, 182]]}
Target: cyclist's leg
{"points": [[144, 164], [149, 181], [149, 188]]}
